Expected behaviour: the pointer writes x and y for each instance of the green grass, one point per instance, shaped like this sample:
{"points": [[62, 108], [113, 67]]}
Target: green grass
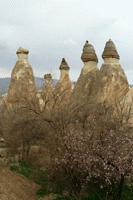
{"points": [[23, 168], [127, 193], [42, 192]]}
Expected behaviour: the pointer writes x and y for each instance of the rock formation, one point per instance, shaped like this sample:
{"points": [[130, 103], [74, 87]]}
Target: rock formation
{"points": [[46, 94], [64, 81], [113, 79], [48, 87], [93, 85], [63, 88], [22, 85], [86, 86]]}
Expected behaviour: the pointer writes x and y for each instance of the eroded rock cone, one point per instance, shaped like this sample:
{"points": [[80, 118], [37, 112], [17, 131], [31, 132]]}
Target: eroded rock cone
{"points": [[64, 81], [45, 96], [63, 88], [22, 85], [87, 84], [48, 86], [113, 79]]}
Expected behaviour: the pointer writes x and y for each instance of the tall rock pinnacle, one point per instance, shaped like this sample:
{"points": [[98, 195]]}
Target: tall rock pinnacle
{"points": [[48, 87], [87, 81], [22, 84], [45, 96], [64, 86], [113, 79], [64, 70]]}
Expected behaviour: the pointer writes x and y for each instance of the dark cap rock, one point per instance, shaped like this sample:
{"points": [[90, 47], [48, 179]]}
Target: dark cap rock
{"points": [[47, 76], [22, 51], [110, 50], [64, 65], [89, 53]]}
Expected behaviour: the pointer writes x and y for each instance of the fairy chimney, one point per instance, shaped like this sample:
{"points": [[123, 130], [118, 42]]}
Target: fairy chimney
{"points": [[64, 70], [86, 84], [64, 81], [22, 84], [45, 95], [63, 88], [48, 87], [113, 79]]}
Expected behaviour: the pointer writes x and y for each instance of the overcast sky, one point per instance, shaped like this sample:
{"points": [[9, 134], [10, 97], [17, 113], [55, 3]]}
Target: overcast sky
{"points": [[52, 29]]}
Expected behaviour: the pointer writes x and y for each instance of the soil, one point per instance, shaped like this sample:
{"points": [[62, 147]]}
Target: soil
{"points": [[16, 187]]}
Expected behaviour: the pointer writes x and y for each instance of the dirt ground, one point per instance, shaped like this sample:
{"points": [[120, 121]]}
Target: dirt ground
{"points": [[16, 187]]}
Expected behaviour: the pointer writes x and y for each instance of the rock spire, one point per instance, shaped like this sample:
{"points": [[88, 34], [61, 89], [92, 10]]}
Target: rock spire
{"points": [[113, 79], [22, 84], [86, 85], [64, 70], [64, 86], [46, 94]]}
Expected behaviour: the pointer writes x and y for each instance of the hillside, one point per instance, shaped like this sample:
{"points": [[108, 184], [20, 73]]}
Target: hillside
{"points": [[15, 187]]}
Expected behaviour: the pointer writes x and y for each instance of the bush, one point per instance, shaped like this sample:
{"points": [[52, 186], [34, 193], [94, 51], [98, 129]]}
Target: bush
{"points": [[42, 192], [40, 177], [25, 169], [22, 168], [127, 193], [14, 168]]}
